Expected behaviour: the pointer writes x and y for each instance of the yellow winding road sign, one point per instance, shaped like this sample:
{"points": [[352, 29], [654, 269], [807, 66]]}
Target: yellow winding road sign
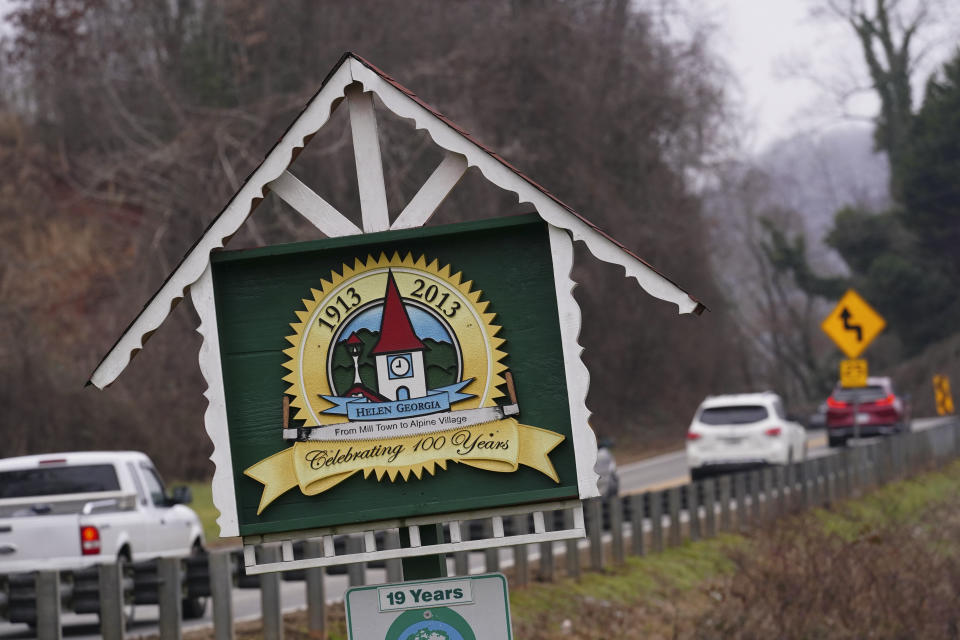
{"points": [[853, 324], [941, 392]]}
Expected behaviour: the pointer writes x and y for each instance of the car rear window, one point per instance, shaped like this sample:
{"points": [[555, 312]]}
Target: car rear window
{"points": [[862, 394], [48, 481], [743, 414]]}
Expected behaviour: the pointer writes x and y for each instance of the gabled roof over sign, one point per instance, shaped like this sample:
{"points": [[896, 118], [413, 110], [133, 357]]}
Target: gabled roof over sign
{"points": [[355, 79]]}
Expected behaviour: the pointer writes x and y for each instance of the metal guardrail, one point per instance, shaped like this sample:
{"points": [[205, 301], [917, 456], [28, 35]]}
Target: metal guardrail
{"points": [[635, 524]]}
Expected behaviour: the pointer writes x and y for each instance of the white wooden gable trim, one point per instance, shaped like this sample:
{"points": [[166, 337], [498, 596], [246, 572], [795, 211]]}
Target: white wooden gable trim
{"points": [[272, 174], [506, 178]]}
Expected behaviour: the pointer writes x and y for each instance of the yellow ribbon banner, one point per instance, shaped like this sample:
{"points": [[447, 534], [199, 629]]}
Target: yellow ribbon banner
{"points": [[499, 446]]}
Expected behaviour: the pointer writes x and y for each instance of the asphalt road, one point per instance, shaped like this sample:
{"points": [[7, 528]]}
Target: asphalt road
{"points": [[646, 475]]}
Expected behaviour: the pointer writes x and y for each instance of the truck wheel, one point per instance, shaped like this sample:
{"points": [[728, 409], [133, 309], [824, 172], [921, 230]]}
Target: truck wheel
{"points": [[194, 608]]}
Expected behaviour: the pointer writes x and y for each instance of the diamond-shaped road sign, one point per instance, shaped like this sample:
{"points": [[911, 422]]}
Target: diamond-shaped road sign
{"points": [[853, 324], [941, 391]]}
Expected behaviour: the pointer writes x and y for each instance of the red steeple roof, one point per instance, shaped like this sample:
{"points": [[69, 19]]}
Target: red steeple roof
{"points": [[353, 339], [396, 331]]}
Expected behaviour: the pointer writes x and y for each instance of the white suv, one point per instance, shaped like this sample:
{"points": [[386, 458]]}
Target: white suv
{"points": [[742, 431]]}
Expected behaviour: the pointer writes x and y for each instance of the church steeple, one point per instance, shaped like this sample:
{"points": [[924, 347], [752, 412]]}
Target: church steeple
{"points": [[398, 354], [396, 330]]}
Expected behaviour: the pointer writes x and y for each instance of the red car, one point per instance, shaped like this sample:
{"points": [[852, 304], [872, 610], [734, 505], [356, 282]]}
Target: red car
{"points": [[880, 411]]}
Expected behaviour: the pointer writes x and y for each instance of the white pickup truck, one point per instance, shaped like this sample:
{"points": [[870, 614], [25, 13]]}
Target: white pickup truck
{"points": [[72, 511]]}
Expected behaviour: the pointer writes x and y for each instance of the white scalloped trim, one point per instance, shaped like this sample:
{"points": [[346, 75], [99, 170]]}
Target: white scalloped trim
{"points": [[215, 417], [577, 375], [314, 116]]}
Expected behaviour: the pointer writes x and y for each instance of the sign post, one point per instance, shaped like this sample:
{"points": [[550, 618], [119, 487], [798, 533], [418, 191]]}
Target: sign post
{"points": [[391, 377], [852, 325]]}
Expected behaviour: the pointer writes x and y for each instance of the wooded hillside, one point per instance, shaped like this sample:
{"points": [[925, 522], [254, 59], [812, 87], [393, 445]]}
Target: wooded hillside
{"points": [[126, 126]]}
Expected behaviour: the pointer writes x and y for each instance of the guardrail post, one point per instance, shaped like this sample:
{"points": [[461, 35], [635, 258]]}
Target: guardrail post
{"points": [[316, 593], [637, 534], [693, 509], [491, 556], [816, 491], [916, 452], [789, 487], [48, 605], [356, 571], [521, 559], [830, 478], [823, 472], [394, 566], [270, 610], [725, 518], [573, 549], [595, 532], [753, 482], [547, 569], [673, 504], [221, 587], [170, 598], [656, 520], [886, 469], [766, 507], [781, 480], [806, 471], [616, 529], [740, 499], [111, 601], [842, 467], [461, 559], [710, 506]]}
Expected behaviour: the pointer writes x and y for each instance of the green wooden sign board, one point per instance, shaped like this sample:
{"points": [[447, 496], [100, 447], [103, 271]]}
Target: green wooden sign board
{"points": [[423, 372]]}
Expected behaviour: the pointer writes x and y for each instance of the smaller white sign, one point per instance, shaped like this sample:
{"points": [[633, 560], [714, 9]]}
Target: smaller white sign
{"points": [[441, 593], [462, 608]]}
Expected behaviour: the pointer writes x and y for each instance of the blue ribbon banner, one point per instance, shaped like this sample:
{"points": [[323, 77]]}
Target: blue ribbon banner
{"points": [[435, 401]]}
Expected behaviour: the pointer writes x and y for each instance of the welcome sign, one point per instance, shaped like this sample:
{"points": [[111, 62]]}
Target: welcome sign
{"points": [[423, 371]]}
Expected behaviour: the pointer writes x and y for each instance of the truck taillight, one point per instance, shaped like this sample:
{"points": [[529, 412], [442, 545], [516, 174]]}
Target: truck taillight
{"points": [[89, 541]]}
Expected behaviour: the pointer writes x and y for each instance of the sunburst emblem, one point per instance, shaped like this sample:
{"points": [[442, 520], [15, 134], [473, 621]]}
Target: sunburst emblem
{"points": [[390, 329]]}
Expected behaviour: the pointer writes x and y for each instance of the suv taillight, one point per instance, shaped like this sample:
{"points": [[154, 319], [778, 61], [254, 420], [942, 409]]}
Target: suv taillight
{"points": [[773, 432], [693, 435], [89, 541]]}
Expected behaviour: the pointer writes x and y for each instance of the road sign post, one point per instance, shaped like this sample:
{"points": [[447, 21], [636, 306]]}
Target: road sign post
{"points": [[852, 325]]}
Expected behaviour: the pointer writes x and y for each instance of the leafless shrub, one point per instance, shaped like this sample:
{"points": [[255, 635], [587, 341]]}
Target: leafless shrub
{"points": [[800, 582]]}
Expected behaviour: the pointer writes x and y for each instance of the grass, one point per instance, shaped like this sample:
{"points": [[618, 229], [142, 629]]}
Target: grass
{"points": [[891, 505]]}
